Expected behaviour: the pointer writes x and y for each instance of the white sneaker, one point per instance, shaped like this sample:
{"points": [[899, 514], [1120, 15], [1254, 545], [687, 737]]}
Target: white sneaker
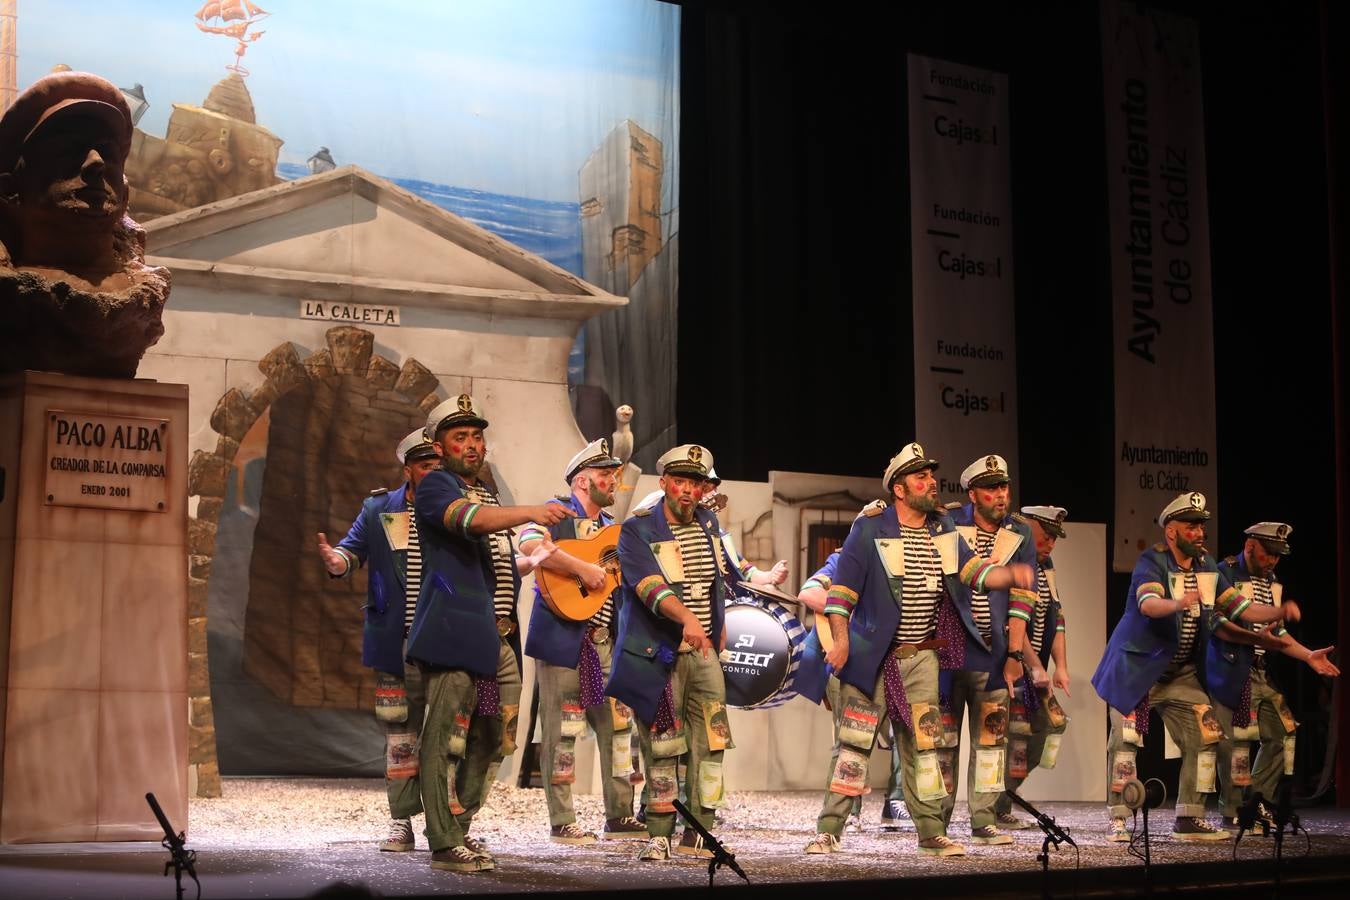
{"points": [[1117, 833], [400, 837], [657, 850], [823, 843], [941, 845]]}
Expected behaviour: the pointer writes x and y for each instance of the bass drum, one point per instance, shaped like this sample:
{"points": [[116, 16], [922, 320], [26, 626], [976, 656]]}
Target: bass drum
{"points": [[764, 649]]}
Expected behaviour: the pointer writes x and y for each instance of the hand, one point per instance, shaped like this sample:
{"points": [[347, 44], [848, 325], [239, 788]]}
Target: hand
{"points": [[1012, 670], [838, 655], [551, 514], [1290, 610], [695, 637], [535, 558], [333, 561], [1271, 642], [778, 574], [592, 576], [1188, 600], [1061, 680], [722, 644], [1318, 662], [1024, 576], [1039, 677]]}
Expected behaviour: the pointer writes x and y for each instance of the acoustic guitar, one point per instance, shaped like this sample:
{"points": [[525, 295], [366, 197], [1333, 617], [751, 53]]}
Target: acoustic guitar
{"points": [[564, 594]]}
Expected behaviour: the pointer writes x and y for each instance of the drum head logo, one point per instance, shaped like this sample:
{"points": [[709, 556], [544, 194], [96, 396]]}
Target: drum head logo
{"points": [[755, 663]]}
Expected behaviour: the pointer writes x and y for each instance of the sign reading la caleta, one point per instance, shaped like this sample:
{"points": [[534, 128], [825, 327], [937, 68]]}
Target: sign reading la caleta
{"points": [[106, 462]]}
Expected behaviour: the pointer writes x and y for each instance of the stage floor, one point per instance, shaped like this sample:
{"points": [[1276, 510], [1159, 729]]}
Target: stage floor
{"points": [[293, 837]]}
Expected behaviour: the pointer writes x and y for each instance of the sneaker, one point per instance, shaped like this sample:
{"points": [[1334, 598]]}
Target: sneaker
{"points": [[657, 850], [853, 822], [941, 845], [1117, 833], [400, 837], [570, 833], [823, 843], [642, 813], [691, 844], [1008, 822], [624, 828], [460, 859], [989, 835], [894, 815], [1265, 816], [479, 848], [1194, 828]]}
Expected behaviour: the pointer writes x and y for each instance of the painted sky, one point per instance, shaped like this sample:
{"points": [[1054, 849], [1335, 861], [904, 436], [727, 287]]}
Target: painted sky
{"points": [[509, 96]]}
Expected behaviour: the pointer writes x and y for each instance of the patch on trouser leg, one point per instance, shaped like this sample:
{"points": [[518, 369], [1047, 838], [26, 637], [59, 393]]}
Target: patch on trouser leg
{"points": [[510, 721], [1122, 769], [711, 792], [1286, 715], [927, 720], [1206, 764], [621, 755], [451, 769], [1211, 732], [993, 723], [572, 723], [858, 723], [400, 756], [1050, 755], [662, 790], [564, 763], [458, 741], [716, 725], [1017, 757], [1249, 732], [1240, 766], [928, 781], [850, 773], [1289, 754], [620, 715], [391, 698], [989, 767]]}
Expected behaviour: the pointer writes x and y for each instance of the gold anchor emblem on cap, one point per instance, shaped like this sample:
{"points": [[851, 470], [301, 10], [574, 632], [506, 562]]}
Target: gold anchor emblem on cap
{"points": [[1281, 531], [916, 450], [604, 448], [991, 463], [1197, 500], [465, 403], [695, 454]]}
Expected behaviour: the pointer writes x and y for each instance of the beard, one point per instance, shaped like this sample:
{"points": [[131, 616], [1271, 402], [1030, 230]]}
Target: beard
{"points": [[679, 512], [1194, 550], [461, 468], [924, 503], [600, 498], [993, 513]]}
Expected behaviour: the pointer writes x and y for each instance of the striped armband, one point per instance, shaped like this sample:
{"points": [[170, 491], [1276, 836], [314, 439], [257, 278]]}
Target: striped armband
{"points": [[1231, 605], [817, 581], [746, 569], [652, 590], [459, 514], [1278, 630], [1060, 623], [840, 601], [1147, 590], [974, 572], [350, 557], [1021, 604], [532, 531]]}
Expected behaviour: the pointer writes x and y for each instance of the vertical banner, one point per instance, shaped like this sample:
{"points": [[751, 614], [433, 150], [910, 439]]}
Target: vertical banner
{"points": [[965, 367], [1163, 331]]}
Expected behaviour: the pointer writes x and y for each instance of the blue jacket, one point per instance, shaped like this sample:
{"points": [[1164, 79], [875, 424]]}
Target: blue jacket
{"points": [[455, 626], [812, 672], [648, 641], [554, 640], [386, 586], [862, 583], [1228, 665], [990, 658], [1141, 648]]}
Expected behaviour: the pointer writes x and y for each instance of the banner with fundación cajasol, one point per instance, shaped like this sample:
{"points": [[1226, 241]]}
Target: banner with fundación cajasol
{"points": [[1163, 331], [965, 365]]}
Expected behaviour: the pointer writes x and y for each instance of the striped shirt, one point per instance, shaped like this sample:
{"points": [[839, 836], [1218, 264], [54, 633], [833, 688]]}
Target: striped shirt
{"points": [[1188, 626], [1261, 593], [503, 558], [979, 600], [699, 569], [921, 588], [1042, 616], [413, 567]]}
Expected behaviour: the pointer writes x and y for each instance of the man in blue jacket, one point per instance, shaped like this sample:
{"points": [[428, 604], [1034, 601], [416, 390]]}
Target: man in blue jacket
{"points": [[671, 630], [1261, 722], [897, 569], [384, 536], [573, 658], [464, 637], [1177, 597], [977, 691], [1046, 640]]}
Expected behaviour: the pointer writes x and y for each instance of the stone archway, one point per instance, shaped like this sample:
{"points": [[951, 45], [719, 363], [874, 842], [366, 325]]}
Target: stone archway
{"points": [[334, 418]]}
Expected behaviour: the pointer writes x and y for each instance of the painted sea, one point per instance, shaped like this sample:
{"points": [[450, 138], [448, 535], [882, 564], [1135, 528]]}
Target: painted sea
{"points": [[546, 228]]}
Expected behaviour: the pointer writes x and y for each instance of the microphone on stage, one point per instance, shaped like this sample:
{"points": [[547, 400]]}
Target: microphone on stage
{"points": [[1047, 823], [1248, 814], [721, 856], [1138, 795]]}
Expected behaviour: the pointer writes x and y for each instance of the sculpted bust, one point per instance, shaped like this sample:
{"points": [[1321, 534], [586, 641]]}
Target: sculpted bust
{"points": [[75, 293]]}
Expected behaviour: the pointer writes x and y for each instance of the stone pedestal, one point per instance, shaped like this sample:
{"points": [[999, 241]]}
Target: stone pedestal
{"points": [[93, 624]]}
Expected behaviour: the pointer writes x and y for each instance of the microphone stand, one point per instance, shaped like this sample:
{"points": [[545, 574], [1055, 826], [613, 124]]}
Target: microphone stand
{"points": [[1284, 816], [1053, 835], [183, 860], [721, 856]]}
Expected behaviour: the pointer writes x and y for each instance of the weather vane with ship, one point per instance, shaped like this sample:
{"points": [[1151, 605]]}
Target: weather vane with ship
{"points": [[233, 19]]}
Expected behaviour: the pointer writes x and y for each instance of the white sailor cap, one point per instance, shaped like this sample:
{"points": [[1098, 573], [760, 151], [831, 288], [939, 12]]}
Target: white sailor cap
{"points": [[414, 447], [1188, 507], [1274, 536], [461, 410], [713, 477], [1050, 518], [986, 471], [594, 455], [651, 499], [686, 459], [911, 458]]}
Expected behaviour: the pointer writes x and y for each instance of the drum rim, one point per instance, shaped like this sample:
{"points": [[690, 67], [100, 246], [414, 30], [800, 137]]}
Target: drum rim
{"points": [[796, 649]]}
